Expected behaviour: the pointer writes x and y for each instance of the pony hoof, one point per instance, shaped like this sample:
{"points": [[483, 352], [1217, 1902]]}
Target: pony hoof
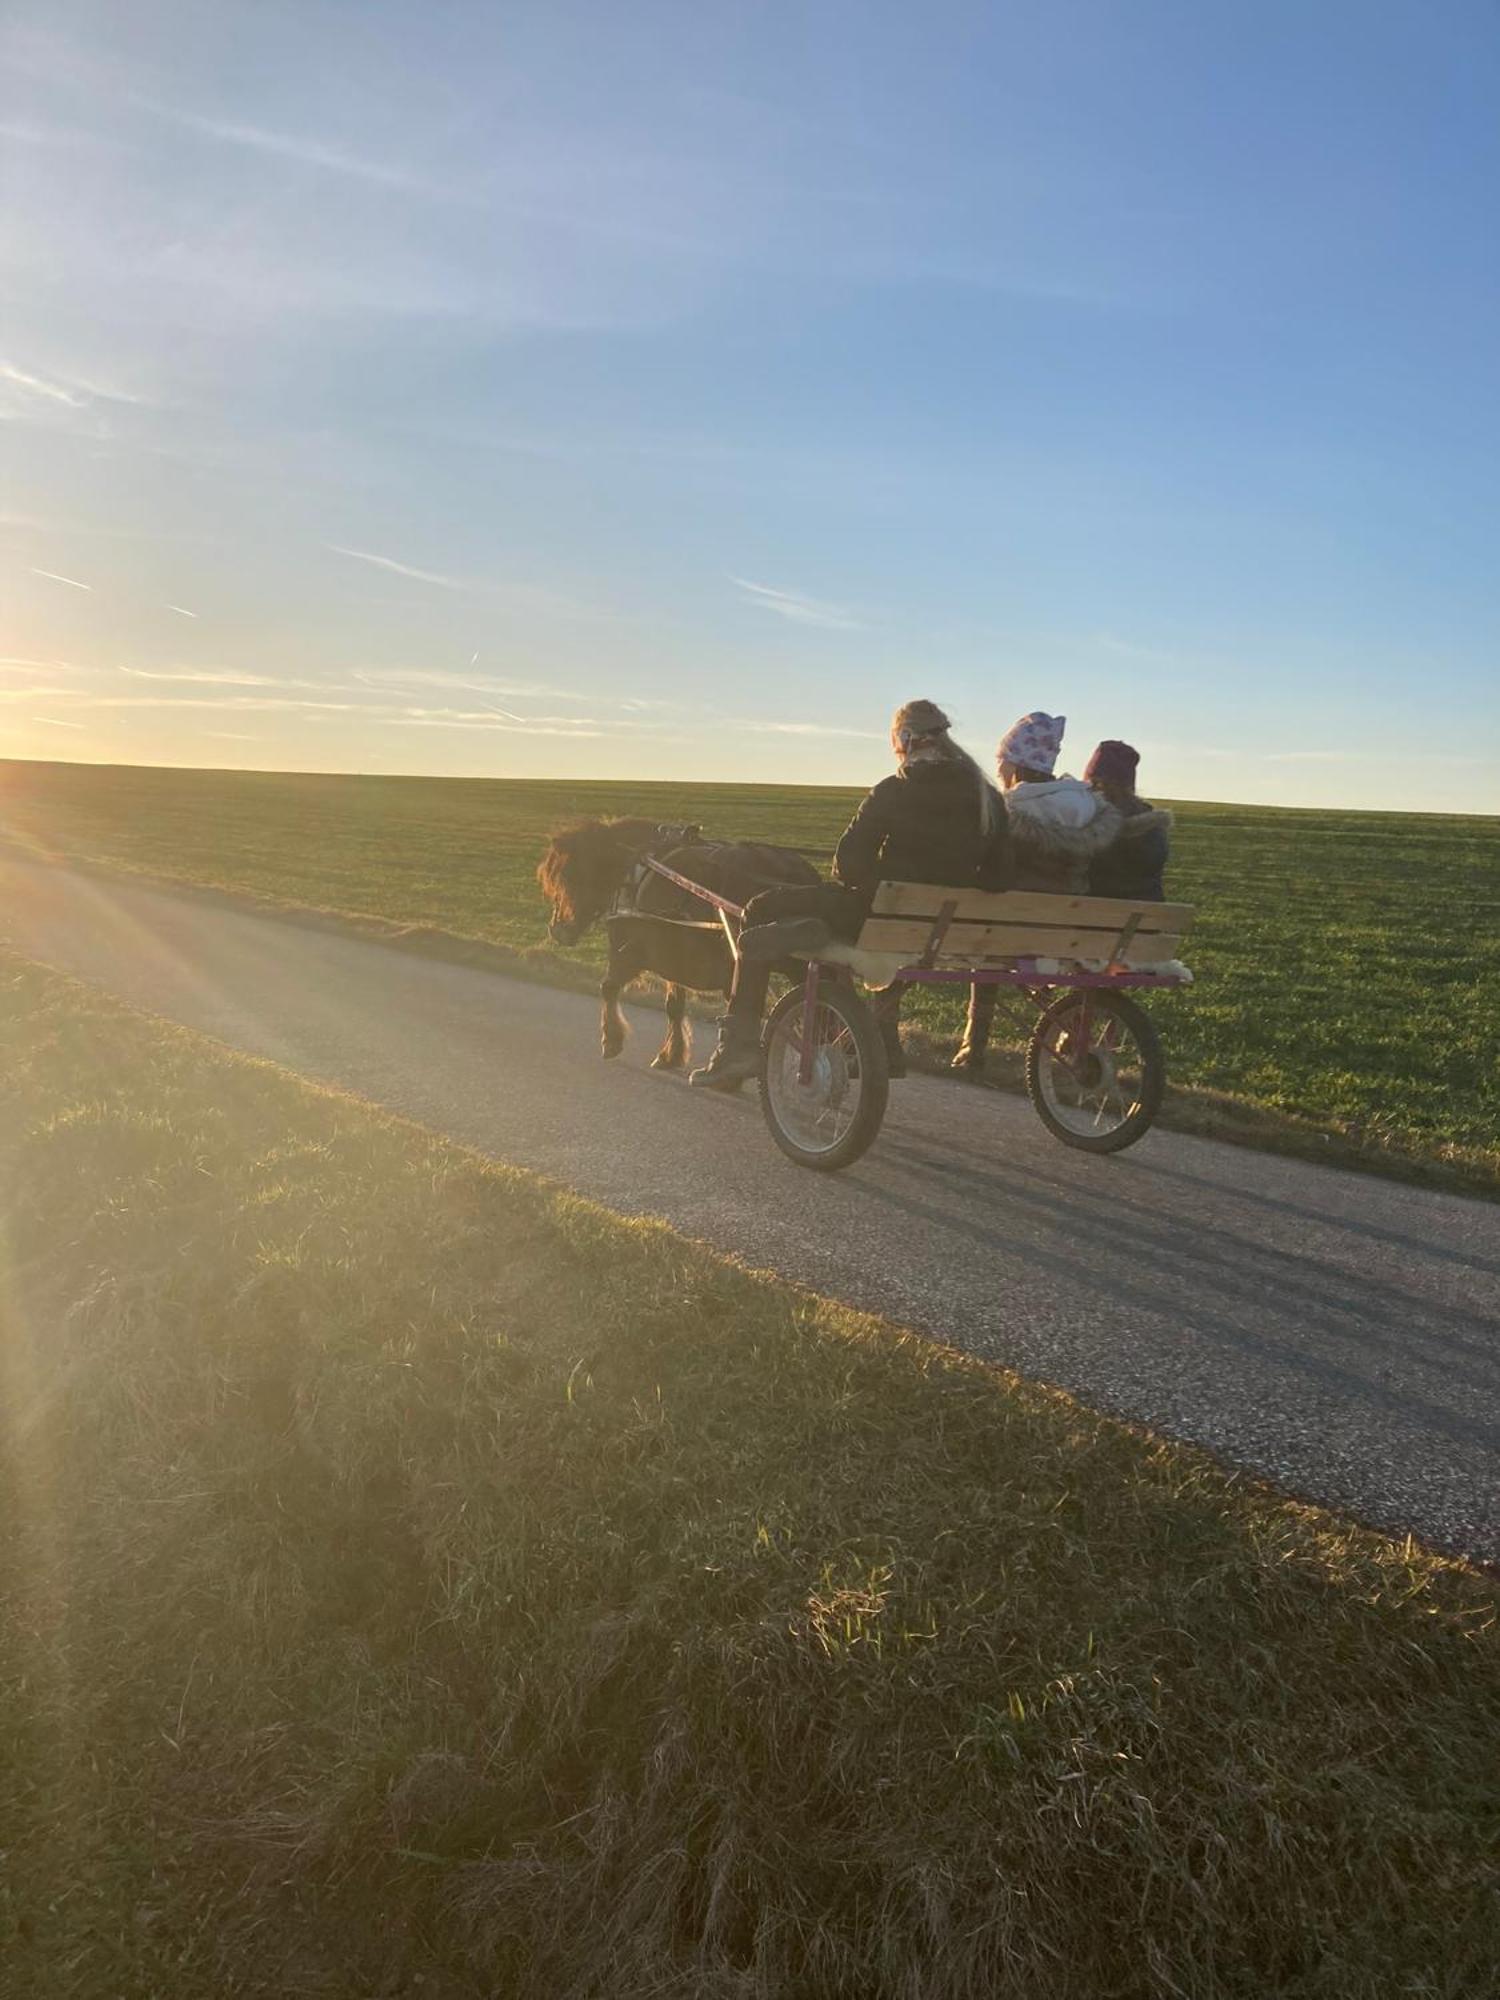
{"points": [[668, 1062], [610, 1054]]}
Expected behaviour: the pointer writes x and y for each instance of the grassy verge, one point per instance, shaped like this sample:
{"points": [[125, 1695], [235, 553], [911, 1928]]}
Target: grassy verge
{"points": [[418, 1581]]}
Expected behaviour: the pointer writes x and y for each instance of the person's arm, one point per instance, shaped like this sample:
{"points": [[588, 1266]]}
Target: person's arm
{"points": [[856, 860], [1154, 849]]}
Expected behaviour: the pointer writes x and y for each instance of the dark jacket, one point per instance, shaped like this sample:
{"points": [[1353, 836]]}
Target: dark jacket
{"points": [[1132, 868], [922, 825], [1059, 829]]}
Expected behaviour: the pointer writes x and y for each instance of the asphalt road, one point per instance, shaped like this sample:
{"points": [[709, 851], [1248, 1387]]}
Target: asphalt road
{"points": [[1337, 1333]]}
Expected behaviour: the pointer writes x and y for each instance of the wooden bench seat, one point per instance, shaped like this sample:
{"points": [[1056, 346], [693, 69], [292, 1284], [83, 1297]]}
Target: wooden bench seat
{"points": [[946, 929]]}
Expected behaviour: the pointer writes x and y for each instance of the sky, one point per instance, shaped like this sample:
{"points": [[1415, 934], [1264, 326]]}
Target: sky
{"points": [[668, 390]]}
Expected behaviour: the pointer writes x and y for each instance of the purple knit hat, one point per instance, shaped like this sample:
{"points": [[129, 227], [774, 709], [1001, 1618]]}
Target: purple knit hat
{"points": [[1034, 743], [1113, 763]]}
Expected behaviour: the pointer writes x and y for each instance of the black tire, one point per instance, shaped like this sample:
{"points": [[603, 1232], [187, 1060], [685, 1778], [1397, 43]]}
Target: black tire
{"points": [[848, 1095], [1092, 1123]]}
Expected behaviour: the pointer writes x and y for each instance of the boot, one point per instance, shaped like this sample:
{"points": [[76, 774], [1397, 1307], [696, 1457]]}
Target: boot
{"points": [[969, 1061], [737, 1058], [791, 937], [886, 1005]]}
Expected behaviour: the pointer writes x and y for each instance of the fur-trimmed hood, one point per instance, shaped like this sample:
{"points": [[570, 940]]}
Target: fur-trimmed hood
{"points": [[1150, 819], [1063, 817]]}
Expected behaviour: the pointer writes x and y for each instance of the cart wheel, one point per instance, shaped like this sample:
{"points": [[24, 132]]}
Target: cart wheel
{"points": [[827, 1122], [1095, 1071]]}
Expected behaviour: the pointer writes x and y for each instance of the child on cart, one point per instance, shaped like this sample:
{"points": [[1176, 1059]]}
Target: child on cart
{"points": [[1132, 867]]}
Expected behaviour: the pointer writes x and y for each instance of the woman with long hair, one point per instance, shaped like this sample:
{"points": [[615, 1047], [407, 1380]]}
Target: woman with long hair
{"points": [[936, 819]]}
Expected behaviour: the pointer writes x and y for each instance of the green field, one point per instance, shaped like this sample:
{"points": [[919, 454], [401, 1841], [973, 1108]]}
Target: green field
{"points": [[420, 1585], [1348, 963]]}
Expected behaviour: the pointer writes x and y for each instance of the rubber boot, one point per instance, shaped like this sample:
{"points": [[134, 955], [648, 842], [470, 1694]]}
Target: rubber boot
{"points": [[969, 1061], [737, 1058], [791, 937], [886, 1006]]}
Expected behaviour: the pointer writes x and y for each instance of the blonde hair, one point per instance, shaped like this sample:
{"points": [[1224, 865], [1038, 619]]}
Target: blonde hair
{"points": [[919, 735]]}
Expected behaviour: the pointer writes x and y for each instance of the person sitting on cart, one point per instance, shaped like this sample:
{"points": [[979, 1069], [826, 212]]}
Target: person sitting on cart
{"points": [[938, 819], [1132, 868], [1059, 828]]}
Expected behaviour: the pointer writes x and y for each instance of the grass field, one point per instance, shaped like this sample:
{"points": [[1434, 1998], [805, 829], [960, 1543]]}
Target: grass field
{"points": [[420, 1583], [1348, 964]]}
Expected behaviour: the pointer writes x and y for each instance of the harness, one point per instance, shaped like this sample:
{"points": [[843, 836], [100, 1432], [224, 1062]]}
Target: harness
{"points": [[624, 901]]}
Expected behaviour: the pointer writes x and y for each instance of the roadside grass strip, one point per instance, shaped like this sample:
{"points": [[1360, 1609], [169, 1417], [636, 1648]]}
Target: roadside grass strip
{"points": [[418, 1581]]}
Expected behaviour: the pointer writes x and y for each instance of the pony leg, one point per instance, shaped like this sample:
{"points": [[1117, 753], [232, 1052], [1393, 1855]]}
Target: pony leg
{"points": [[673, 1053], [617, 976]]}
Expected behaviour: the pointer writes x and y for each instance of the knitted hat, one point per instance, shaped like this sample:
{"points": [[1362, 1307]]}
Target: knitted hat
{"points": [[1033, 743], [1113, 763]]}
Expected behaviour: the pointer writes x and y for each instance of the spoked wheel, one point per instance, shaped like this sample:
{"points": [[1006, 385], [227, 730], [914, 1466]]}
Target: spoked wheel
{"points": [[1095, 1071], [823, 1112]]}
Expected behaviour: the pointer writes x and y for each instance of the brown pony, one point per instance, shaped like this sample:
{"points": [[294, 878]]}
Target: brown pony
{"points": [[593, 871]]}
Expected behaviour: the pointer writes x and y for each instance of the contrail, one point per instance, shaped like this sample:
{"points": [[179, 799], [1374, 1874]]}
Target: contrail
{"points": [[53, 577]]}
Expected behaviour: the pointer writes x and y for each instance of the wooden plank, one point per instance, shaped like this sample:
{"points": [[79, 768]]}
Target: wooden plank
{"points": [[967, 944], [920, 899]]}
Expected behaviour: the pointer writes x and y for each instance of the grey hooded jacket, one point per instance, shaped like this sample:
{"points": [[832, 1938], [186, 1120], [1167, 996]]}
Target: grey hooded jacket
{"points": [[1058, 830]]}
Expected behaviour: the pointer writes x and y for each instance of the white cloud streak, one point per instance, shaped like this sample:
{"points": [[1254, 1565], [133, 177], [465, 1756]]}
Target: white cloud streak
{"points": [[56, 722], [484, 720], [213, 677], [37, 385], [808, 729], [791, 604], [397, 678], [397, 568], [182, 611], [53, 577], [302, 152]]}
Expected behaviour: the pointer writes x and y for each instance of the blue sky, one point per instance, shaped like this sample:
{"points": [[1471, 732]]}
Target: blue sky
{"points": [[669, 390]]}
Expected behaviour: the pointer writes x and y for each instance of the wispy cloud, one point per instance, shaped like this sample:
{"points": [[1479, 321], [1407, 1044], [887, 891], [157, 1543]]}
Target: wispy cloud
{"points": [[38, 385], [304, 152], [53, 577], [182, 611], [486, 719], [396, 678], [398, 568], [60, 392], [46, 666], [807, 729], [799, 609], [212, 677], [259, 702], [56, 722]]}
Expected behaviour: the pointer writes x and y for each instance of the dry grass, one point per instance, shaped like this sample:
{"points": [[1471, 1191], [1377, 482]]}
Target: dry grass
{"points": [[419, 1582]]}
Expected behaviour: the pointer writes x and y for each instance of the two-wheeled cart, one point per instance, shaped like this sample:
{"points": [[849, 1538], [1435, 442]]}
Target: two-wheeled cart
{"points": [[1095, 1070]]}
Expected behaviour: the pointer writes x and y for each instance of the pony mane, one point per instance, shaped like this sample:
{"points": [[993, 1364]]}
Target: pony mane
{"points": [[576, 855]]}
